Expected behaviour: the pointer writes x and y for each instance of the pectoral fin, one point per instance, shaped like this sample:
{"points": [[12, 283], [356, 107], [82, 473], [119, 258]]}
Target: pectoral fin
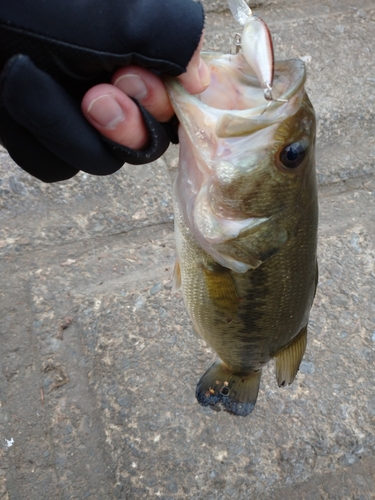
{"points": [[176, 277], [222, 290], [288, 360]]}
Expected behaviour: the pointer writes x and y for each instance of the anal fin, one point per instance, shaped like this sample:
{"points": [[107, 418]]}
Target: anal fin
{"points": [[236, 392], [288, 360]]}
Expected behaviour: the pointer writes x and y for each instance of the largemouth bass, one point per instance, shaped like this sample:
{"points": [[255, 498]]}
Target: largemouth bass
{"points": [[246, 214]]}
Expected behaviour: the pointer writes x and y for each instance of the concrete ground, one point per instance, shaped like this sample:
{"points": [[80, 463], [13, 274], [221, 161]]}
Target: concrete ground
{"points": [[98, 359]]}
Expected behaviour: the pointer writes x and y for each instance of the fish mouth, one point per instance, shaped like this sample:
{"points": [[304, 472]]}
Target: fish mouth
{"points": [[235, 101], [226, 132]]}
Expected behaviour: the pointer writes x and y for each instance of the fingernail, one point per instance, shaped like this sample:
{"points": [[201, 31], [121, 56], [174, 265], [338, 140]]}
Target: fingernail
{"points": [[132, 85], [106, 111], [204, 73]]}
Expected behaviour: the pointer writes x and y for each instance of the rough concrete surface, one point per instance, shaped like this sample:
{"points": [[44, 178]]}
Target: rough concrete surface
{"points": [[98, 359]]}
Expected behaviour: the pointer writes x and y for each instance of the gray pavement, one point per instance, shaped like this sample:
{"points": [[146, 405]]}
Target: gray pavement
{"points": [[99, 362]]}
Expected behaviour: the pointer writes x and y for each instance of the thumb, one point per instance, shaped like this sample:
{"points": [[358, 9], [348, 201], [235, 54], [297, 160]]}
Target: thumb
{"points": [[197, 76], [115, 116]]}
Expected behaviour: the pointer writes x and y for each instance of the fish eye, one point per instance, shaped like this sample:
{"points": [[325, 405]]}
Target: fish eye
{"points": [[293, 155]]}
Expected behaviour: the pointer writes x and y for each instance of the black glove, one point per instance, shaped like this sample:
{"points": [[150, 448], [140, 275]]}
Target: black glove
{"points": [[52, 52]]}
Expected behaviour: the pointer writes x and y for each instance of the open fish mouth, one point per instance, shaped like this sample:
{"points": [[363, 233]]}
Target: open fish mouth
{"points": [[235, 101]]}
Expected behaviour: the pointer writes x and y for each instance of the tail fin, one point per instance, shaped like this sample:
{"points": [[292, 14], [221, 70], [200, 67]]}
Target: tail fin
{"points": [[288, 360], [236, 392]]}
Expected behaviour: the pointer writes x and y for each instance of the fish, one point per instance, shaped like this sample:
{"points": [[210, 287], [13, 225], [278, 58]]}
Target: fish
{"points": [[246, 219]]}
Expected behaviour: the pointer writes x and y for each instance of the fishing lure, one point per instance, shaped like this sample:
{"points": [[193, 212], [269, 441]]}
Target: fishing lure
{"points": [[256, 44]]}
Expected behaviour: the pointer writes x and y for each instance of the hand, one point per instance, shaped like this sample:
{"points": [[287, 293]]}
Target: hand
{"points": [[111, 111], [53, 53]]}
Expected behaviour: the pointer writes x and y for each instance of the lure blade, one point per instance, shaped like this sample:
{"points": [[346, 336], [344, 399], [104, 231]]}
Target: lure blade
{"points": [[257, 49]]}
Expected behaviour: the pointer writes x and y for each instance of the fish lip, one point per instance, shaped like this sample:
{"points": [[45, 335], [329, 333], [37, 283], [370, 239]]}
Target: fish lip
{"points": [[297, 69]]}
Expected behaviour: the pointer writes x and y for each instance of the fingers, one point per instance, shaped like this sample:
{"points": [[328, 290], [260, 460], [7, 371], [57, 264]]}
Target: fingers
{"points": [[111, 111], [115, 116], [147, 89]]}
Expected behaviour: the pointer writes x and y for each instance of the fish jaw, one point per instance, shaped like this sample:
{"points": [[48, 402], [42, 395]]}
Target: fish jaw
{"points": [[223, 148]]}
